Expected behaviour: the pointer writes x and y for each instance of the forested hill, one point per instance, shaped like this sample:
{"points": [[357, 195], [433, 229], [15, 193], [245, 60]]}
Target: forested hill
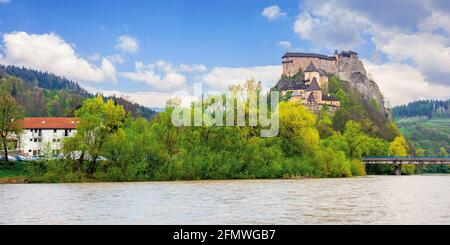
{"points": [[45, 94], [426, 125], [423, 108]]}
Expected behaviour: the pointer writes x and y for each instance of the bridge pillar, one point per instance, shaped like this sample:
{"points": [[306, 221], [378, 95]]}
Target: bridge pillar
{"points": [[398, 169]]}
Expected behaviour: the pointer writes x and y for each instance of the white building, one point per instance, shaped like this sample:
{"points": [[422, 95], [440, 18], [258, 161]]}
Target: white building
{"points": [[42, 135]]}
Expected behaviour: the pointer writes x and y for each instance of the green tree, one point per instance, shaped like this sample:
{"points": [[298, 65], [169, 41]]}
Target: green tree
{"points": [[98, 120], [443, 152], [297, 129], [420, 152], [399, 147], [357, 141], [10, 115], [325, 125]]}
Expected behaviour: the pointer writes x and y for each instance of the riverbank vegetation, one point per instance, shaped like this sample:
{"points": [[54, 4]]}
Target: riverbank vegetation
{"points": [[111, 145], [137, 149]]}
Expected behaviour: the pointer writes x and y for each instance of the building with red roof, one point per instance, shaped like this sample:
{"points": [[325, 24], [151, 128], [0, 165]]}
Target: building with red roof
{"points": [[43, 134]]}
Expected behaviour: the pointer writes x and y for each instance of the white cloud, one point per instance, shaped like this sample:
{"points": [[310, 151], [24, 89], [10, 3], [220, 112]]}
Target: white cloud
{"points": [[127, 44], [437, 20], [163, 77], [332, 26], [49, 52], [192, 68], [220, 78], [401, 84], [94, 57], [273, 12], [420, 39], [285, 45], [160, 75], [429, 52], [147, 98], [116, 59]]}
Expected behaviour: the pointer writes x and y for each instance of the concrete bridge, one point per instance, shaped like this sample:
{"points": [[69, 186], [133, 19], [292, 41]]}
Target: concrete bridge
{"points": [[398, 161]]}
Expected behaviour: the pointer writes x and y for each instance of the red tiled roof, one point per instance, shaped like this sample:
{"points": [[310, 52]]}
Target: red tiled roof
{"points": [[50, 122]]}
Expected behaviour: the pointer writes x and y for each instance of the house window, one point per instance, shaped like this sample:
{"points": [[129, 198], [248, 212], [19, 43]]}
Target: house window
{"points": [[66, 133], [54, 140], [54, 131], [29, 150], [35, 140], [31, 130], [31, 140]]}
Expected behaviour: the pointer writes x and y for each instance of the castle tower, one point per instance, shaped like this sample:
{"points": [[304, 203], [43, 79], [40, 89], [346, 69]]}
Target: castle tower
{"points": [[336, 55], [315, 92], [311, 72]]}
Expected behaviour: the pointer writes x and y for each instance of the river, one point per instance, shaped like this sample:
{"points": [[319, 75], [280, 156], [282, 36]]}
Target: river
{"points": [[419, 199]]}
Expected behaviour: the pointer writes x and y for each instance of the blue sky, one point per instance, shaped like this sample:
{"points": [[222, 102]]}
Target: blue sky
{"points": [[149, 49]]}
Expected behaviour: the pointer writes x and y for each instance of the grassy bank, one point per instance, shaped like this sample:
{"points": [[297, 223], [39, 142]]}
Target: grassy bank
{"points": [[64, 172], [60, 172], [13, 172]]}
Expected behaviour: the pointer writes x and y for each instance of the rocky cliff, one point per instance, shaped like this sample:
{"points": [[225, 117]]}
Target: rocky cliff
{"points": [[353, 71]]}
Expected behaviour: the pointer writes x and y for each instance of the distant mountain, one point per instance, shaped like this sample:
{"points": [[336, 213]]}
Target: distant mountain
{"points": [[426, 124], [423, 108], [45, 94], [157, 109]]}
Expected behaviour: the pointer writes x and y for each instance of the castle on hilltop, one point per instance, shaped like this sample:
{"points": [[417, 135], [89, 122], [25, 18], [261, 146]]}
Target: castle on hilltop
{"points": [[305, 77]]}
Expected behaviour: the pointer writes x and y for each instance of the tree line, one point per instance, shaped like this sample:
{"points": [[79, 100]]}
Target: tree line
{"points": [[423, 108], [135, 149], [43, 94]]}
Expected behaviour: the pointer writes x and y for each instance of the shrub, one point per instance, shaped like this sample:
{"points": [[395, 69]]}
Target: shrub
{"points": [[357, 168]]}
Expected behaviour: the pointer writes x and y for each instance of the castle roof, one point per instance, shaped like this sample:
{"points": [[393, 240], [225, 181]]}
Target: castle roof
{"points": [[329, 98], [309, 55], [348, 53], [314, 85], [311, 68]]}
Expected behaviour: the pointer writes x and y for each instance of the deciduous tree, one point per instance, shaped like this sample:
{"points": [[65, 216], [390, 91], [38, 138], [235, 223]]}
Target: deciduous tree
{"points": [[10, 115]]}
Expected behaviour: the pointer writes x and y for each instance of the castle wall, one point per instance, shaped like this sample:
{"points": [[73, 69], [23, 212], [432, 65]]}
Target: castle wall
{"points": [[293, 65]]}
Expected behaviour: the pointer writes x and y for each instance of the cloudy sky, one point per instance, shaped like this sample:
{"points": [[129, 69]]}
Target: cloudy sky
{"points": [[150, 50]]}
